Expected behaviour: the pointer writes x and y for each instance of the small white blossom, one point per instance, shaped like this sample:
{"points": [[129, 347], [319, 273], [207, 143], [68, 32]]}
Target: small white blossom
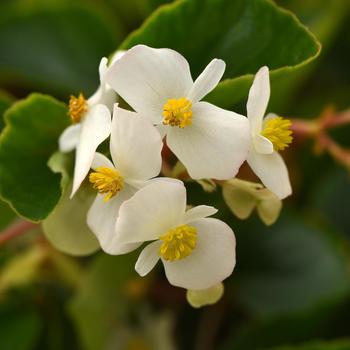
{"points": [[268, 135], [211, 142], [91, 120], [197, 252], [135, 147]]}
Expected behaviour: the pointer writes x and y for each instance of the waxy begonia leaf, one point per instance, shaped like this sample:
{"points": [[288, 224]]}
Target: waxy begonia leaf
{"points": [[245, 34], [26, 143], [5, 102], [6, 214]]}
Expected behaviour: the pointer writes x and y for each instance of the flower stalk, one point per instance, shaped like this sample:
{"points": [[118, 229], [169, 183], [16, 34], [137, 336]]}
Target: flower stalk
{"points": [[16, 230]]}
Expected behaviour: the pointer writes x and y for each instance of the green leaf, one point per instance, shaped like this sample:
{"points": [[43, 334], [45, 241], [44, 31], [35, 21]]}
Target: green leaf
{"points": [[5, 102], [287, 267], [30, 137], [324, 19], [102, 301], [54, 48], [6, 214], [245, 34], [66, 226]]}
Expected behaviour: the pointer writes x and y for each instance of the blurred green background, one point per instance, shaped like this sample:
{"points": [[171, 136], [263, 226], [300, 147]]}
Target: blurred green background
{"points": [[291, 286]]}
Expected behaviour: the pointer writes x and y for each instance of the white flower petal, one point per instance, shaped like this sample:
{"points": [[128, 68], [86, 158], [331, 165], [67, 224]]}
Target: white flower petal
{"points": [[259, 95], [211, 261], [136, 145], [116, 56], [148, 258], [102, 69], [146, 78], [272, 171], [162, 129], [199, 212], [69, 138], [104, 94], [214, 146], [140, 184], [102, 218], [100, 160], [262, 144], [95, 128], [207, 80], [152, 211]]}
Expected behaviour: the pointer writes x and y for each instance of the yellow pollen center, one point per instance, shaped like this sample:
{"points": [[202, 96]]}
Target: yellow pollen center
{"points": [[277, 130], [107, 180], [177, 112], [178, 243], [77, 108]]}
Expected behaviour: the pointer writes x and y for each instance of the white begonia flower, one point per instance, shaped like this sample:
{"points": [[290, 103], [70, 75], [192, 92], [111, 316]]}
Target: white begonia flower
{"points": [[211, 142], [197, 252], [91, 124], [268, 136], [135, 147]]}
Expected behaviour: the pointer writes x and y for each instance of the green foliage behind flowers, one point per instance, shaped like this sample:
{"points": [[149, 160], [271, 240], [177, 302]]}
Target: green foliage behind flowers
{"points": [[53, 46], [291, 286], [245, 34], [26, 144]]}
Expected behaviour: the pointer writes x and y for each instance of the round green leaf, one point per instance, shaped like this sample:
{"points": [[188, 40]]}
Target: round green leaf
{"points": [[245, 34], [6, 214], [5, 102], [26, 143]]}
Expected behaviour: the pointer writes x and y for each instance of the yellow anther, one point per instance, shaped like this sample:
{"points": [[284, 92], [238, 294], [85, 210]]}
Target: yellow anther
{"points": [[107, 180], [177, 112], [277, 130], [178, 243], [77, 108]]}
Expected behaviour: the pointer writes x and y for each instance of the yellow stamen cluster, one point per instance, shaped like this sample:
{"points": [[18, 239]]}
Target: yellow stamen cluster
{"points": [[107, 180], [178, 243], [177, 112], [77, 108], [277, 130]]}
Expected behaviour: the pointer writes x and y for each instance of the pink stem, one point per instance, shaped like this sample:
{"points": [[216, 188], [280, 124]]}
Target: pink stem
{"points": [[15, 231]]}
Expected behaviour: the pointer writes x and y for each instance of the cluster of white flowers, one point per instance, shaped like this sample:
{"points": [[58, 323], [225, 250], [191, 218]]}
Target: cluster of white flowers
{"points": [[133, 205]]}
